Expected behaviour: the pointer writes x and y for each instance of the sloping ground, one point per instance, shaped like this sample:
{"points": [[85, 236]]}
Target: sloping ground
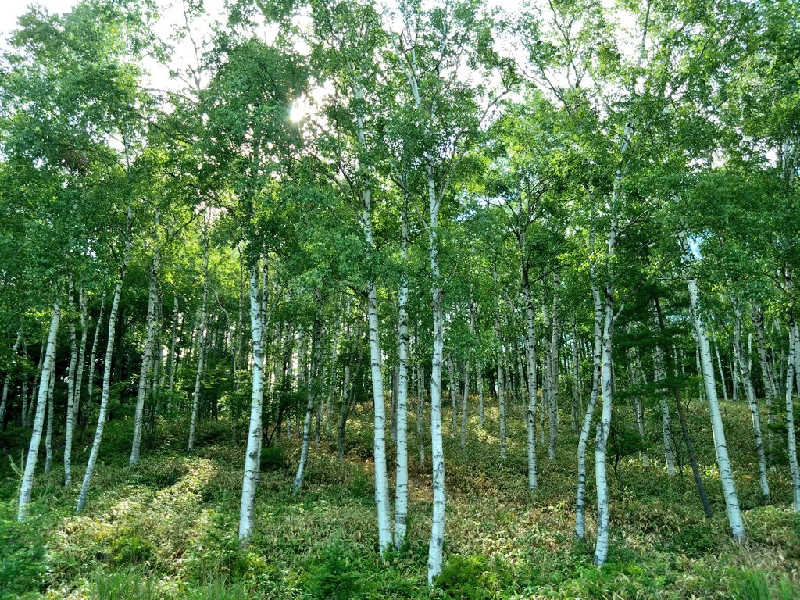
{"points": [[167, 528]]}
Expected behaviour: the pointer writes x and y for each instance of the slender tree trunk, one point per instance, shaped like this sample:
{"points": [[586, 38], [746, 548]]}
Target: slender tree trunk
{"points": [[580, 504], [7, 381], [436, 543], [721, 374], [666, 426], [687, 440], [744, 367], [344, 411], [252, 460], [382, 501], [481, 411], [401, 477], [553, 372], [101, 418], [201, 346], [173, 360], [576, 380], [70, 413], [720, 444], [93, 353], [38, 422], [147, 354], [420, 414], [791, 444], [530, 355], [311, 393], [604, 426], [452, 387], [84, 321], [48, 440], [770, 388], [501, 403]]}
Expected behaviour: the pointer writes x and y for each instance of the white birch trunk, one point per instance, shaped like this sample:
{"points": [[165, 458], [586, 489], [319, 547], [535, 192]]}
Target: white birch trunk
{"points": [[580, 504], [48, 440], [791, 444], [70, 414], [101, 417], [744, 368], [310, 398], [721, 374], [604, 426], [84, 321], [7, 381], [38, 422], [252, 459], [401, 478], [553, 373], [93, 353], [720, 444], [666, 425], [481, 410], [173, 362], [530, 355], [201, 347], [147, 356]]}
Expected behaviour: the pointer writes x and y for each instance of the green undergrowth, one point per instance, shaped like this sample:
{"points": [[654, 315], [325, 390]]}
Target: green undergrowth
{"points": [[167, 527]]}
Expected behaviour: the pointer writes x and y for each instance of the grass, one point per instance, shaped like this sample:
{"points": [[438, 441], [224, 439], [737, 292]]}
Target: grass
{"points": [[167, 528]]}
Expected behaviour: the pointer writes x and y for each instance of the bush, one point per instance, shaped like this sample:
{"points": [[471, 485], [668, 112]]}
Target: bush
{"points": [[471, 578], [22, 554], [752, 584], [125, 585], [694, 541], [273, 458], [128, 548], [335, 576]]}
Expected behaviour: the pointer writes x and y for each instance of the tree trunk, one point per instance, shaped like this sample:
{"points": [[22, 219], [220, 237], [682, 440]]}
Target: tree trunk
{"points": [[530, 355], [767, 373], [70, 413], [7, 380], [721, 374], [101, 418], [580, 504], [93, 353], [147, 354], [48, 440], [311, 393], [252, 460], [750, 394], [201, 345], [604, 426], [481, 411], [553, 373], [659, 376], [38, 422], [401, 477], [791, 444], [720, 444]]}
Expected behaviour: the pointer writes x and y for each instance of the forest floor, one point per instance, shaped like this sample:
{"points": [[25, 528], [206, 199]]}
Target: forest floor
{"points": [[167, 528]]}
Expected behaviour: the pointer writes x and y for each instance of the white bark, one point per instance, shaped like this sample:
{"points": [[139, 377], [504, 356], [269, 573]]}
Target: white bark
{"points": [[604, 426], [401, 478], [252, 458], [172, 360], [311, 396], [48, 440], [70, 414], [38, 422], [720, 444], [580, 504], [201, 347], [530, 355], [721, 374], [7, 381], [744, 369], [93, 353], [101, 417], [147, 356], [553, 374], [791, 444], [666, 425], [481, 411]]}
